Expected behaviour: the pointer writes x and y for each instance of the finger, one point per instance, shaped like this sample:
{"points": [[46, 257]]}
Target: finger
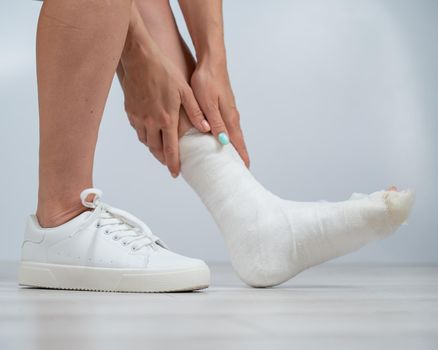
{"points": [[193, 111], [238, 141], [155, 144], [131, 119], [141, 131], [217, 124], [232, 122], [171, 149]]}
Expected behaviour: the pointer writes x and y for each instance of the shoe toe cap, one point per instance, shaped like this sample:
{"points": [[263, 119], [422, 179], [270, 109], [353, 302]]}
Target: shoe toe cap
{"points": [[163, 259]]}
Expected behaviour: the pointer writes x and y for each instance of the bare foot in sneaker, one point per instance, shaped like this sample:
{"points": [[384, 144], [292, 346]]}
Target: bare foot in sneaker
{"points": [[105, 249]]}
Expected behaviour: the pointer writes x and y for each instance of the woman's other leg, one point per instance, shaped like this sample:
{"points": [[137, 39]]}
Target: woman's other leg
{"points": [[79, 44]]}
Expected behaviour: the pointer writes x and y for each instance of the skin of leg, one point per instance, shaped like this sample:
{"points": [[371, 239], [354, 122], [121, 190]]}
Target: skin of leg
{"points": [[79, 44], [160, 22]]}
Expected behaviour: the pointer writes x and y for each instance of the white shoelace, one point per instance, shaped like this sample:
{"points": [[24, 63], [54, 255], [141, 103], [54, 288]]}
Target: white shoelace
{"points": [[123, 227]]}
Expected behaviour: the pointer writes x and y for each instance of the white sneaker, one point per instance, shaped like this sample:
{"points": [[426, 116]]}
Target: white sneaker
{"points": [[105, 249]]}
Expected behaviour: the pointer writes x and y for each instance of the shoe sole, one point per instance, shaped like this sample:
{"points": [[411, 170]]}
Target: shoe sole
{"points": [[55, 276]]}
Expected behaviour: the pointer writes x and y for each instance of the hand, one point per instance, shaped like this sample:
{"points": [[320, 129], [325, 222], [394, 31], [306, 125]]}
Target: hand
{"points": [[212, 88], [154, 93]]}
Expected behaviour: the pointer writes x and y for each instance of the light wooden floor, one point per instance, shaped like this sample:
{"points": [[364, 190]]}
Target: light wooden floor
{"points": [[328, 307]]}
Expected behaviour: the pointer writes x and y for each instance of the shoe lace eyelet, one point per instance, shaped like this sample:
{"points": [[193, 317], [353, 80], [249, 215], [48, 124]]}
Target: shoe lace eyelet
{"points": [[124, 243], [107, 232], [134, 248], [98, 225], [115, 238]]}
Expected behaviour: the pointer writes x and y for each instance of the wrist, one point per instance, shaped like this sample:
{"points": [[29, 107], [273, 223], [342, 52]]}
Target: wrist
{"points": [[138, 49], [138, 41], [212, 59], [210, 47]]}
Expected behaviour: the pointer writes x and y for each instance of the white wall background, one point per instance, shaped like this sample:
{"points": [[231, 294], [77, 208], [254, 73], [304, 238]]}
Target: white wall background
{"points": [[336, 96]]}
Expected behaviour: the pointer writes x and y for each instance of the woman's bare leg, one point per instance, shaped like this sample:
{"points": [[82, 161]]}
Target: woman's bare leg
{"points": [[79, 44], [160, 22]]}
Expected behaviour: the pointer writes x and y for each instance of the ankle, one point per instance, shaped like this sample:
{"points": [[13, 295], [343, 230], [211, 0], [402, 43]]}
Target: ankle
{"points": [[56, 214]]}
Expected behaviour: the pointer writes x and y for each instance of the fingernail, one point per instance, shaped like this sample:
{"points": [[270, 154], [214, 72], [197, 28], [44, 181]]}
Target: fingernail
{"points": [[205, 126], [174, 175], [223, 138]]}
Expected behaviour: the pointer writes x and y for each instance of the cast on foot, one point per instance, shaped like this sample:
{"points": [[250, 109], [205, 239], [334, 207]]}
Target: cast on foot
{"points": [[270, 239]]}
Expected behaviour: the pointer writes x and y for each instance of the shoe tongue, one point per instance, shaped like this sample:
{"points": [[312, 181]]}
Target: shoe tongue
{"points": [[109, 216], [106, 215]]}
